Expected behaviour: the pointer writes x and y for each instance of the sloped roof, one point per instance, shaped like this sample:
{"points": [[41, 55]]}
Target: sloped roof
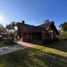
{"points": [[46, 25], [26, 27], [40, 28]]}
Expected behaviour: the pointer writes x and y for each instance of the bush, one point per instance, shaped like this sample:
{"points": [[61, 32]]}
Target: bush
{"points": [[63, 35]]}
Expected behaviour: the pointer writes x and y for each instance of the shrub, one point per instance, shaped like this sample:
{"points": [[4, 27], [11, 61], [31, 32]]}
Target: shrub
{"points": [[63, 35]]}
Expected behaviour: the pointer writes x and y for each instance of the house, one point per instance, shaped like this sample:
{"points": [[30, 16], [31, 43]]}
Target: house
{"points": [[41, 33]]}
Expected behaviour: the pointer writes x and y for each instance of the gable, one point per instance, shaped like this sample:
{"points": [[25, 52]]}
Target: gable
{"points": [[48, 26]]}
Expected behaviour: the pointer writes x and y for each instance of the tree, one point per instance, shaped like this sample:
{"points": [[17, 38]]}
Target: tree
{"points": [[2, 29], [10, 26], [63, 26], [11, 30]]}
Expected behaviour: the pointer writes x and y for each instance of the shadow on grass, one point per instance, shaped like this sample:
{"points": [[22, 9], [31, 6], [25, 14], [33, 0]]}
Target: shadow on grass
{"points": [[7, 42], [59, 45], [31, 57]]}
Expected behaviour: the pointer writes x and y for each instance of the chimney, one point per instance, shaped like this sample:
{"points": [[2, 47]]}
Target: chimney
{"points": [[46, 21], [52, 22], [23, 22]]}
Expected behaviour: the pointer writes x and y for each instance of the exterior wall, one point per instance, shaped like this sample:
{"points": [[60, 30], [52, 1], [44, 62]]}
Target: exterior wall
{"points": [[55, 35], [20, 32], [52, 34], [45, 35], [23, 36], [27, 37]]}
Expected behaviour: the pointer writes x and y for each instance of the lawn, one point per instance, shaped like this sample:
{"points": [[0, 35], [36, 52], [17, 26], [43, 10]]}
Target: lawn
{"points": [[4, 43], [38, 56]]}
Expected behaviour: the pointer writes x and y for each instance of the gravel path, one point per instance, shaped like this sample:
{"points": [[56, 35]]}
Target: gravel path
{"points": [[9, 49]]}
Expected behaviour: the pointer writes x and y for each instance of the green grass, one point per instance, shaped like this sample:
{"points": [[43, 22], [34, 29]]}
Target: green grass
{"points": [[38, 56], [7, 43], [60, 45]]}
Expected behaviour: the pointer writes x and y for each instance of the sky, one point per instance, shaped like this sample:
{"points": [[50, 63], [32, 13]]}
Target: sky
{"points": [[33, 12]]}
